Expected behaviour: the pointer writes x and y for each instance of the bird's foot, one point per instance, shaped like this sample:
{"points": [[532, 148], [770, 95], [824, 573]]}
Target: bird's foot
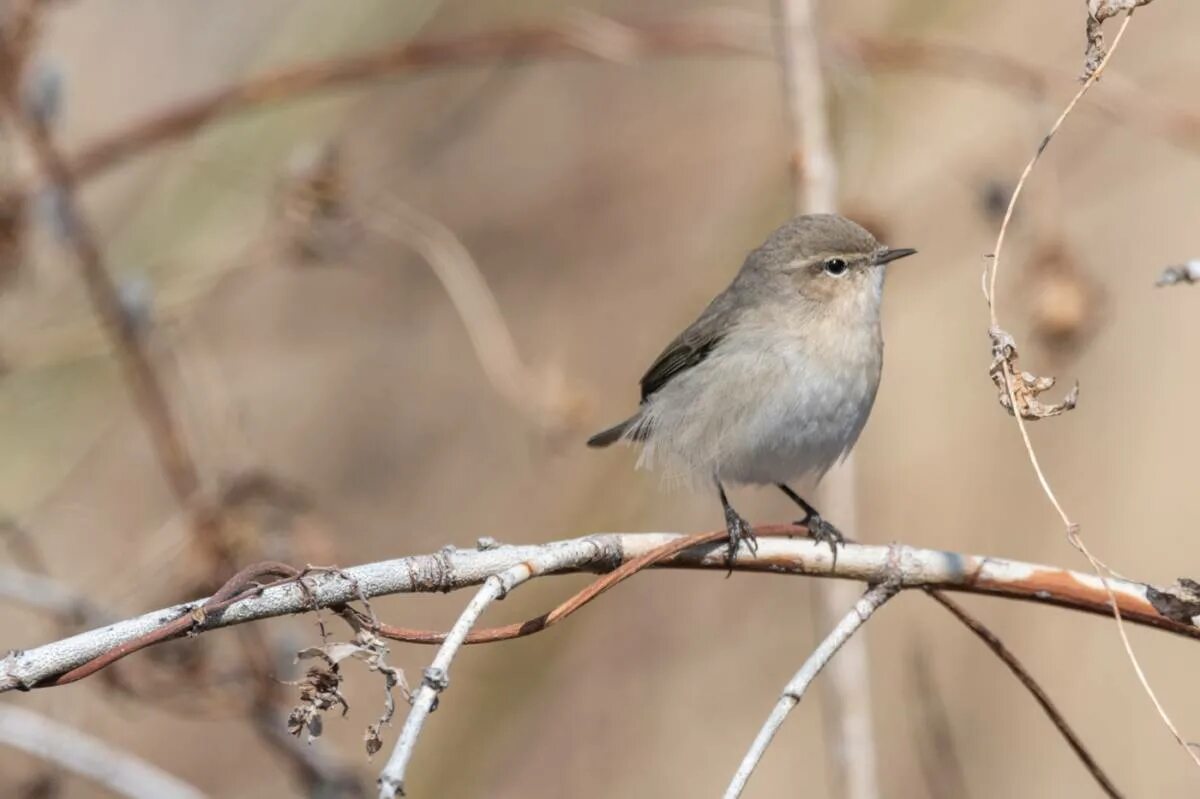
{"points": [[820, 530], [739, 531]]}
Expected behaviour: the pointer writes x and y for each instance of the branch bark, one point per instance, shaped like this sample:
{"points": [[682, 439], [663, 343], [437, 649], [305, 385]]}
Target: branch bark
{"points": [[452, 570], [436, 678], [1039, 694]]}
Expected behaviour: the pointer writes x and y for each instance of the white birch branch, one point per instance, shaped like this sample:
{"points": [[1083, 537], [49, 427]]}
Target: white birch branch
{"points": [[871, 601], [119, 772], [454, 569], [437, 677]]}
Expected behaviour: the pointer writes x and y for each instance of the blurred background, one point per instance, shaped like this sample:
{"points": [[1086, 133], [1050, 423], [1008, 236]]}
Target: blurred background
{"points": [[340, 405]]}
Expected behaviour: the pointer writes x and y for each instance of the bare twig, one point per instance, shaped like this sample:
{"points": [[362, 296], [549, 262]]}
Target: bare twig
{"points": [[871, 601], [1021, 673], [454, 570], [694, 35], [148, 393], [561, 40], [117, 771], [1097, 61], [545, 398], [846, 693], [49, 595], [436, 678], [996, 331], [814, 186], [1122, 102]]}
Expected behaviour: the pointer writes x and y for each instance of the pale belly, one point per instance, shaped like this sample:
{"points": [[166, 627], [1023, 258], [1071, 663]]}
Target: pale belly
{"points": [[802, 430], [761, 417]]}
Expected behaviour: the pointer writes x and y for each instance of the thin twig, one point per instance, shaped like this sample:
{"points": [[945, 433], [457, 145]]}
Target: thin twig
{"points": [[436, 677], [559, 40], [1123, 102], [44, 593], [447, 571], [990, 294], [546, 399], [148, 393], [1018, 669], [990, 291], [846, 709], [94, 760], [696, 35], [870, 602]]}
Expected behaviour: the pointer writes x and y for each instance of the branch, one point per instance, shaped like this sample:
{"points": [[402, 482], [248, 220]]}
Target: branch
{"points": [[814, 184], [1122, 102], [871, 601], [119, 772], [1019, 390], [546, 399], [49, 595], [436, 678], [147, 390], [585, 37], [452, 570], [623, 41], [1019, 671]]}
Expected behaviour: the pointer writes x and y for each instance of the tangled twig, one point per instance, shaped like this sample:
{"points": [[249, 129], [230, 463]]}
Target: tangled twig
{"points": [[1098, 59]]}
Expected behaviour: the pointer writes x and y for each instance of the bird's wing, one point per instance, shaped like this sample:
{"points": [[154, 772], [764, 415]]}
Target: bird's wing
{"points": [[691, 346]]}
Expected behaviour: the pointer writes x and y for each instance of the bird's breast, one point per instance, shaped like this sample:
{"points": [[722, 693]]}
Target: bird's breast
{"points": [[817, 405]]}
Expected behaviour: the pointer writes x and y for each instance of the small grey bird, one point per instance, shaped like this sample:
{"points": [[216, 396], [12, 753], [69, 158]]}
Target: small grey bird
{"points": [[776, 378]]}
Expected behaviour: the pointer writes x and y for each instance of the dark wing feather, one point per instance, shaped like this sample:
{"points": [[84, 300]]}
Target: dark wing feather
{"points": [[694, 344], [680, 356]]}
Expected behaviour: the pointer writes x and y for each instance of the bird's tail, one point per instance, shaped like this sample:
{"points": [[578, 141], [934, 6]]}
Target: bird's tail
{"points": [[630, 427]]}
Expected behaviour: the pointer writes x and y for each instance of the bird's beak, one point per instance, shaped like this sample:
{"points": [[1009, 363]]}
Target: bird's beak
{"points": [[887, 255]]}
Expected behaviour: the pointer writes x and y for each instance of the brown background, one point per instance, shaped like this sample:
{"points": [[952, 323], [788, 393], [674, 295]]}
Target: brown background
{"points": [[605, 204]]}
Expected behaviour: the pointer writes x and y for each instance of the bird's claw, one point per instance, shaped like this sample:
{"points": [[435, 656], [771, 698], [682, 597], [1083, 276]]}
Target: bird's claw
{"points": [[739, 530], [820, 530]]}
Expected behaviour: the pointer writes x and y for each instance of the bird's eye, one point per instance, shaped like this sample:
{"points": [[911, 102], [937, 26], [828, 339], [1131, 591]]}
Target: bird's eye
{"points": [[835, 267]]}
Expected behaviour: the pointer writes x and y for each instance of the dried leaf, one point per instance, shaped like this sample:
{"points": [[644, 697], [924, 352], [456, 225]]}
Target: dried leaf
{"points": [[1181, 602], [1098, 11], [319, 691], [371, 739], [1024, 386]]}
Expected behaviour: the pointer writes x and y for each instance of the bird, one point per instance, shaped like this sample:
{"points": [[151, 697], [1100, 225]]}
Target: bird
{"points": [[775, 379]]}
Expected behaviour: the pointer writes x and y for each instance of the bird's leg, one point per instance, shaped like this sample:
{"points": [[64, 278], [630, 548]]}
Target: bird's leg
{"points": [[818, 528], [739, 529]]}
